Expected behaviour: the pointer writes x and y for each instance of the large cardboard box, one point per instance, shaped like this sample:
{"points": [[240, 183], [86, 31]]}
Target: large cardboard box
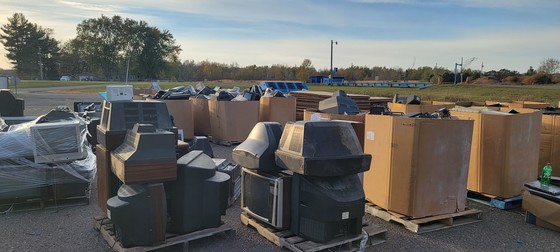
{"points": [[232, 121], [428, 106], [201, 117], [546, 211], [550, 144], [182, 112], [357, 121], [505, 150], [528, 104], [419, 166], [277, 109]]}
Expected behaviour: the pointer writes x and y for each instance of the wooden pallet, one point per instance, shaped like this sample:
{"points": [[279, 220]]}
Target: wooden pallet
{"points": [[223, 142], [105, 227], [494, 201], [286, 239], [427, 224], [48, 200]]}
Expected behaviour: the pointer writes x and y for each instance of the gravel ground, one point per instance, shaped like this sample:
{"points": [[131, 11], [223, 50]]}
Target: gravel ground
{"points": [[71, 228]]}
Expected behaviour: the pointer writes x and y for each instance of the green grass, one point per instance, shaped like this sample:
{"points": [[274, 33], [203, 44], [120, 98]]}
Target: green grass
{"points": [[453, 93]]}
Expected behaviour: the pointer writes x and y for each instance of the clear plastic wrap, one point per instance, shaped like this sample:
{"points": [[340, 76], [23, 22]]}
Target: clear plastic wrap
{"points": [[42, 153]]}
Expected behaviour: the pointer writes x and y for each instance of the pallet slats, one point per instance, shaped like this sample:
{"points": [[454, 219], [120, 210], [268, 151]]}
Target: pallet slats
{"points": [[493, 201], [427, 224], [286, 239], [105, 227]]}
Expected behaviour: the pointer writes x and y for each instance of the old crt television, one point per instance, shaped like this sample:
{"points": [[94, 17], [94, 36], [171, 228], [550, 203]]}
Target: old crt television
{"points": [[266, 197], [339, 103], [257, 151], [57, 142], [407, 99], [139, 214], [324, 208]]}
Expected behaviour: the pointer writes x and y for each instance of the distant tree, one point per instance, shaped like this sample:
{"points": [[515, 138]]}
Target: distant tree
{"points": [[31, 49], [549, 66], [112, 45], [531, 71], [305, 70], [73, 60]]}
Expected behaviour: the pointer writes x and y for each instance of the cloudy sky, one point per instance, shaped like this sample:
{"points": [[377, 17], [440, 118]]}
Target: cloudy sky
{"points": [[511, 34]]}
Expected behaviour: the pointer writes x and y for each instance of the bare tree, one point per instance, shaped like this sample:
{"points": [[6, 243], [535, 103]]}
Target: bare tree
{"points": [[549, 66]]}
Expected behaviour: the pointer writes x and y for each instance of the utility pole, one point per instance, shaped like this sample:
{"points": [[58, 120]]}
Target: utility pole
{"points": [[40, 63], [481, 68], [332, 74], [457, 64], [461, 70]]}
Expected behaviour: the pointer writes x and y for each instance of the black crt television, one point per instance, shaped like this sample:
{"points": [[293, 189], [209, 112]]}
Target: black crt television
{"points": [[407, 99], [266, 197], [324, 208], [139, 214], [199, 196]]}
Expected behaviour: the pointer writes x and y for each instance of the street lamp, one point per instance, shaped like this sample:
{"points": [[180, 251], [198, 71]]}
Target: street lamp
{"points": [[331, 75]]}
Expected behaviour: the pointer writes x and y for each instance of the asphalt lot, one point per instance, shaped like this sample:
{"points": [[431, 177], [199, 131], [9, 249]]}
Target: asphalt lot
{"points": [[71, 228]]}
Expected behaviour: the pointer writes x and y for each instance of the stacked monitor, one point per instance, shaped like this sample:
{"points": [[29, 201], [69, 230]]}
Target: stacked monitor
{"points": [[313, 187], [158, 193]]}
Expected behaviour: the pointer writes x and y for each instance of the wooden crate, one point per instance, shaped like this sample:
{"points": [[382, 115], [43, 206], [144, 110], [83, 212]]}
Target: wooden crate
{"points": [[427, 224], [372, 235], [494, 201], [105, 227]]}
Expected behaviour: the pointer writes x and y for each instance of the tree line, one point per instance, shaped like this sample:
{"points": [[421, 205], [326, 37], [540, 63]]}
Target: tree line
{"points": [[116, 48]]}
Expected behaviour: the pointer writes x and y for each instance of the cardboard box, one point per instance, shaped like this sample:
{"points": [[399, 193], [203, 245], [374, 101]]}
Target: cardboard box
{"points": [[545, 211], [419, 166], [232, 121], [505, 151], [182, 112], [201, 117], [119, 93], [423, 107], [357, 121], [528, 104], [550, 144], [277, 109]]}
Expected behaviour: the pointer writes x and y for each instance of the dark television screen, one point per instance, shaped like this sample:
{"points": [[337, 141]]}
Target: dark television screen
{"points": [[257, 195]]}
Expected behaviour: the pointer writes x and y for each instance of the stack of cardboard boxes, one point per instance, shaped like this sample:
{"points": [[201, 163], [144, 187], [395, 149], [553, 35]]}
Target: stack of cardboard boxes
{"points": [[419, 166], [505, 150]]}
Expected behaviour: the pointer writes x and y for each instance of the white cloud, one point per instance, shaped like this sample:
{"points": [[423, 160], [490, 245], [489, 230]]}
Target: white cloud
{"points": [[90, 7]]}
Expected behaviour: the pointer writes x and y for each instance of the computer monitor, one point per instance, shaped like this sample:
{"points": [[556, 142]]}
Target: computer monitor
{"points": [[257, 151], [57, 142]]}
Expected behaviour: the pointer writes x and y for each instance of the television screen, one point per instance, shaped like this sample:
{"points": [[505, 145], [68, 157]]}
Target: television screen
{"points": [[54, 142], [266, 197]]}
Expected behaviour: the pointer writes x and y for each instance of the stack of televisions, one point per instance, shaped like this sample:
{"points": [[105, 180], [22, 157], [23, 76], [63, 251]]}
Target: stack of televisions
{"points": [[145, 186], [304, 178]]}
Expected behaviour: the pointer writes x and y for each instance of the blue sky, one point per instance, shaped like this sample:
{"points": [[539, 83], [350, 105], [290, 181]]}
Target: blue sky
{"points": [[511, 34]]}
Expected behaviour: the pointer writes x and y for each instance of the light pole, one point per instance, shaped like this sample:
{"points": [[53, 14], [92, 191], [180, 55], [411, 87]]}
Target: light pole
{"points": [[331, 75]]}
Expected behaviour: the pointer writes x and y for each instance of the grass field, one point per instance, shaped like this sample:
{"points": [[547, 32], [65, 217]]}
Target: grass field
{"points": [[453, 93]]}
